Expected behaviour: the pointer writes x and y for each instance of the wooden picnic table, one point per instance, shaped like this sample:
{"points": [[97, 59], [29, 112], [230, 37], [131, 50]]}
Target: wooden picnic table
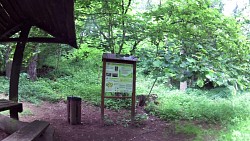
{"points": [[14, 107]]}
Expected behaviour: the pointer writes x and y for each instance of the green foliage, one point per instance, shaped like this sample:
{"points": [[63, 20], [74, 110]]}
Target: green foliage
{"points": [[200, 44], [240, 131], [197, 131], [2, 58], [109, 25], [176, 105], [85, 52], [140, 119], [118, 104], [177, 40], [4, 85], [108, 121]]}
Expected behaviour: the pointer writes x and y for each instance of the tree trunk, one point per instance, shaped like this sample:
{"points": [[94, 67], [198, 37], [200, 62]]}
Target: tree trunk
{"points": [[183, 86], [8, 62], [9, 126], [32, 68], [8, 68]]}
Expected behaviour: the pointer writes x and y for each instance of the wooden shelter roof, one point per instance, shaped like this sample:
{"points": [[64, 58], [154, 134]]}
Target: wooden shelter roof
{"points": [[55, 17]]}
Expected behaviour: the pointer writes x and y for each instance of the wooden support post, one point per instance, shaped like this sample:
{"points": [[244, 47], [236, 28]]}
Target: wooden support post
{"points": [[16, 67], [133, 94], [103, 88]]}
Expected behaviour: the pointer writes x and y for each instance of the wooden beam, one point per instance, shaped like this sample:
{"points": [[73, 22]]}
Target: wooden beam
{"points": [[16, 67], [10, 31], [35, 39]]}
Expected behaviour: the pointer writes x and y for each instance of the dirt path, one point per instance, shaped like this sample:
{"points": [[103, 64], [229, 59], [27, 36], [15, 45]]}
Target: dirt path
{"points": [[92, 129]]}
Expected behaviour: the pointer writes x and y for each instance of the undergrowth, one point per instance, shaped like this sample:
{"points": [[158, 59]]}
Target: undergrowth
{"points": [[179, 105], [76, 76]]}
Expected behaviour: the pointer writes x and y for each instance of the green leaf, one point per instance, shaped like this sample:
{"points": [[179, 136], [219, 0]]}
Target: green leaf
{"points": [[157, 63], [200, 82], [191, 60]]}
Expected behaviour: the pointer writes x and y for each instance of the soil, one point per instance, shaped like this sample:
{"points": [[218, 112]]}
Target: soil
{"points": [[116, 127]]}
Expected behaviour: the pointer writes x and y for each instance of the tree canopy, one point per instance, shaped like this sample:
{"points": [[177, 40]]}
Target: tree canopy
{"points": [[177, 39]]}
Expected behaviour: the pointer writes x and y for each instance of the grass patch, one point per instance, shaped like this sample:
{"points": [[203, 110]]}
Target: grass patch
{"points": [[6, 113], [199, 133], [176, 105], [239, 131], [26, 112]]}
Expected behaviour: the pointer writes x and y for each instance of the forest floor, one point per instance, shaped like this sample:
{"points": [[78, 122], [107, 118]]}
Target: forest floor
{"points": [[117, 127]]}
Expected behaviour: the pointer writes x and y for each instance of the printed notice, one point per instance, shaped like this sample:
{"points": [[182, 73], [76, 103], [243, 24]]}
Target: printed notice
{"points": [[119, 77]]}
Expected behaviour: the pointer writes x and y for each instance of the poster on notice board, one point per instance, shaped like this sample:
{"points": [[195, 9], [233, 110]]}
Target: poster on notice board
{"points": [[119, 77]]}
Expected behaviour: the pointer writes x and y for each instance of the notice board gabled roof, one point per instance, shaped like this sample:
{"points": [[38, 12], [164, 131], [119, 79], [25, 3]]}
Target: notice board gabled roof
{"points": [[119, 57], [55, 17]]}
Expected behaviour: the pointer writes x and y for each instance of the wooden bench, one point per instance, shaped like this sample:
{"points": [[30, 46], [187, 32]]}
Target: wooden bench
{"points": [[29, 132], [14, 107]]}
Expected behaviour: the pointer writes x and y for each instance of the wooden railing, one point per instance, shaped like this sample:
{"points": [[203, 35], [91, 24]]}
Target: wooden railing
{"points": [[14, 107]]}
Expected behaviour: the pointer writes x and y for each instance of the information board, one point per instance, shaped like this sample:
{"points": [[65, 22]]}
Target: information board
{"points": [[119, 77]]}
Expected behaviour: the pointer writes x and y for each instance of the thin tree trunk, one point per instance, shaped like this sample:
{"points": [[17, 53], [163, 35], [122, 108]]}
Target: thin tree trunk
{"points": [[32, 68], [183, 85], [8, 62], [8, 68]]}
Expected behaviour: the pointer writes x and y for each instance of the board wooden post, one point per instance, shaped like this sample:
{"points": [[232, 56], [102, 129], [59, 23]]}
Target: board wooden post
{"points": [[133, 94], [115, 65], [103, 88]]}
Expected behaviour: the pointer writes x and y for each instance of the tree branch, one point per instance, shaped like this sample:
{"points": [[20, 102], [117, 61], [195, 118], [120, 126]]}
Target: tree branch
{"points": [[129, 3], [105, 37]]}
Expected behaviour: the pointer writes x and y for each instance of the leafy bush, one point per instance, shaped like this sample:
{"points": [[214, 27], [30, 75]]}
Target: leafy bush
{"points": [[177, 105], [239, 131], [4, 85]]}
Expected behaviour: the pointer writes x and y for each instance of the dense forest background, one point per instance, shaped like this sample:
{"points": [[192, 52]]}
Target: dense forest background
{"points": [[196, 42]]}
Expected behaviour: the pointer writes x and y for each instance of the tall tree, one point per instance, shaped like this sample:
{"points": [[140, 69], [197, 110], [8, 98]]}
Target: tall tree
{"points": [[213, 43], [111, 25]]}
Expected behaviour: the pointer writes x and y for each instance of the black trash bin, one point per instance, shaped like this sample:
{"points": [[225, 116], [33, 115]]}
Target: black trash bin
{"points": [[74, 110]]}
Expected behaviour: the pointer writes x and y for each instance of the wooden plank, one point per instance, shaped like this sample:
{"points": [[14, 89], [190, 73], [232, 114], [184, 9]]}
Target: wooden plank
{"points": [[70, 24], [51, 18], [2, 27], [4, 100], [10, 106], [58, 9], [29, 132], [14, 107], [17, 9], [11, 10], [3, 15]]}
